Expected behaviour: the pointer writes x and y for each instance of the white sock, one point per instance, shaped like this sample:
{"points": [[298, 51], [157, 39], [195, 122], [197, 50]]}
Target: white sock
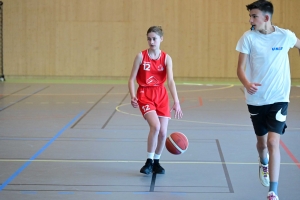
{"points": [[150, 155], [156, 156]]}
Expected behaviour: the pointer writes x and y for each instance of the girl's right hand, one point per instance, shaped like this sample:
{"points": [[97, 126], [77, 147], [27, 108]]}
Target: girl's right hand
{"points": [[134, 102]]}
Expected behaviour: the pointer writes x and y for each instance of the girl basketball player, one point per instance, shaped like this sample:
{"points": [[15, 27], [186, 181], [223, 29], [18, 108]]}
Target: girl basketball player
{"points": [[151, 68]]}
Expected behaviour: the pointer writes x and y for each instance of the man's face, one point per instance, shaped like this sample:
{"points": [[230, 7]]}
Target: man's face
{"points": [[257, 19]]}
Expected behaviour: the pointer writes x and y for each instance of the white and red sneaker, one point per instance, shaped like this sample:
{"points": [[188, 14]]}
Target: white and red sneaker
{"points": [[272, 196], [263, 173]]}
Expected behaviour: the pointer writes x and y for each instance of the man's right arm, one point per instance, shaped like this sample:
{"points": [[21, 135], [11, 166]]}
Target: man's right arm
{"points": [[250, 87]]}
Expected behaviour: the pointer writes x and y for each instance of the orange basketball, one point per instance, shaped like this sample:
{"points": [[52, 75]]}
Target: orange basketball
{"points": [[177, 143]]}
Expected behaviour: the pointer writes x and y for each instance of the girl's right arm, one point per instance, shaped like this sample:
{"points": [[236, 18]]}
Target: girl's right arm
{"points": [[131, 86]]}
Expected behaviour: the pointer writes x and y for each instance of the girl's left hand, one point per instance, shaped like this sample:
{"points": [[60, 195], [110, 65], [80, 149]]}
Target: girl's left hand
{"points": [[178, 112]]}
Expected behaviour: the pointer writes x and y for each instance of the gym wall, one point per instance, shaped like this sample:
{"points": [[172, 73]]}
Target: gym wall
{"points": [[100, 38]]}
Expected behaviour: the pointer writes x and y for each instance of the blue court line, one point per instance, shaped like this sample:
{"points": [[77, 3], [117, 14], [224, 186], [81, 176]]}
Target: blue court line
{"points": [[103, 192], [65, 192], [141, 192], [39, 152]]}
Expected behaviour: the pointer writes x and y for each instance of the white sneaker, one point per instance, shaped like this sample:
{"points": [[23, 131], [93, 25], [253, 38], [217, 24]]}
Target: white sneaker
{"points": [[264, 174], [272, 196]]}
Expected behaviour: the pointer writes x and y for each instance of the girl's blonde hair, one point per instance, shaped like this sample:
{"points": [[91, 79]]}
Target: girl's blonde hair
{"points": [[156, 29]]}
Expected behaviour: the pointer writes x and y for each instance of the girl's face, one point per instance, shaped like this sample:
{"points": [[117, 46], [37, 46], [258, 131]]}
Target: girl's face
{"points": [[257, 19], [154, 40]]}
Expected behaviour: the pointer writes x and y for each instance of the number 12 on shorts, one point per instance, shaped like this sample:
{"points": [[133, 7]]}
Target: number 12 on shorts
{"points": [[146, 107]]}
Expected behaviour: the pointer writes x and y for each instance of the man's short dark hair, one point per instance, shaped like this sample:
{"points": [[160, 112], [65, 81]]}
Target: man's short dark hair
{"points": [[262, 5]]}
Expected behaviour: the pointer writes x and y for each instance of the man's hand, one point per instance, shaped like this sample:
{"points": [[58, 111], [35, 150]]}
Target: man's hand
{"points": [[252, 87]]}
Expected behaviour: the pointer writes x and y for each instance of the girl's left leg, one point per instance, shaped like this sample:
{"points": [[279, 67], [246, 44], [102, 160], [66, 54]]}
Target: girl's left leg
{"points": [[161, 140], [162, 135]]}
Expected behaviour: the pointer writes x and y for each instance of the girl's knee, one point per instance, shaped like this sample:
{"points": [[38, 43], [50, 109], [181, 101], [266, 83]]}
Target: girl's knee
{"points": [[155, 129], [162, 133]]}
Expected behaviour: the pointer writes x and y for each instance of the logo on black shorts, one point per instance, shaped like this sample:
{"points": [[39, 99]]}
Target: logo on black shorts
{"points": [[280, 117]]}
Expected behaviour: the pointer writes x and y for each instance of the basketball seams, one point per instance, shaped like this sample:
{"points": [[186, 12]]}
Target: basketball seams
{"points": [[177, 147], [182, 138], [171, 148], [177, 143]]}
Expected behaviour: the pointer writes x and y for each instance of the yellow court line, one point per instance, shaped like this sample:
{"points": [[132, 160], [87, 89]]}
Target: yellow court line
{"points": [[197, 122], [221, 88], [135, 161]]}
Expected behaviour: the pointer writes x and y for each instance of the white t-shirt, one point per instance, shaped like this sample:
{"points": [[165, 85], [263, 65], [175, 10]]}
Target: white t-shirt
{"points": [[268, 64]]}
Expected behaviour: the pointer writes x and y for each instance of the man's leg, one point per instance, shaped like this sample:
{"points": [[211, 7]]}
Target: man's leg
{"points": [[274, 164], [262, 150], [262, 147]]}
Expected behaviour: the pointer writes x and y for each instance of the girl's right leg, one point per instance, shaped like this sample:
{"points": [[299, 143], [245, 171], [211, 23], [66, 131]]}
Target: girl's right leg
{"points": [[154, 125]]}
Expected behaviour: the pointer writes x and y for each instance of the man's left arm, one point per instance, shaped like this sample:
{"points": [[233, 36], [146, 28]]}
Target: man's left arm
{"points": [[297, 45]]}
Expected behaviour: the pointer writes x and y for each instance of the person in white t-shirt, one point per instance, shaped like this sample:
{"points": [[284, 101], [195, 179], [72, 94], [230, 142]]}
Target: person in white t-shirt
{"points": [[264, 70]]}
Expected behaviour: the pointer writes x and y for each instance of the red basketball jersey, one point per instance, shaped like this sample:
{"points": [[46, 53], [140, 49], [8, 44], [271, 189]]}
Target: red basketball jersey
{"points": [[152, 72]]}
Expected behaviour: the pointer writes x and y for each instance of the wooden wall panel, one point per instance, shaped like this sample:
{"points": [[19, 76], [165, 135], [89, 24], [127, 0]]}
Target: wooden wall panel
{"points": [[85, 38]]}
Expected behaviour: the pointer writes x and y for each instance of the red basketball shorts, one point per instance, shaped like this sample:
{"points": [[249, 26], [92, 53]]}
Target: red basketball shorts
{"points": [[154, 98]]}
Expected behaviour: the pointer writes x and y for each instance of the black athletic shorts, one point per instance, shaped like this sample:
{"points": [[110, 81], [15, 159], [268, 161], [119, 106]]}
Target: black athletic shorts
{"points": [[269, 118]]}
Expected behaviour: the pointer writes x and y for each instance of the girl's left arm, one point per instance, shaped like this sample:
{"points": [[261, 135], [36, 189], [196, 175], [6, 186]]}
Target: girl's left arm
{"points": [[172, 87]]}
